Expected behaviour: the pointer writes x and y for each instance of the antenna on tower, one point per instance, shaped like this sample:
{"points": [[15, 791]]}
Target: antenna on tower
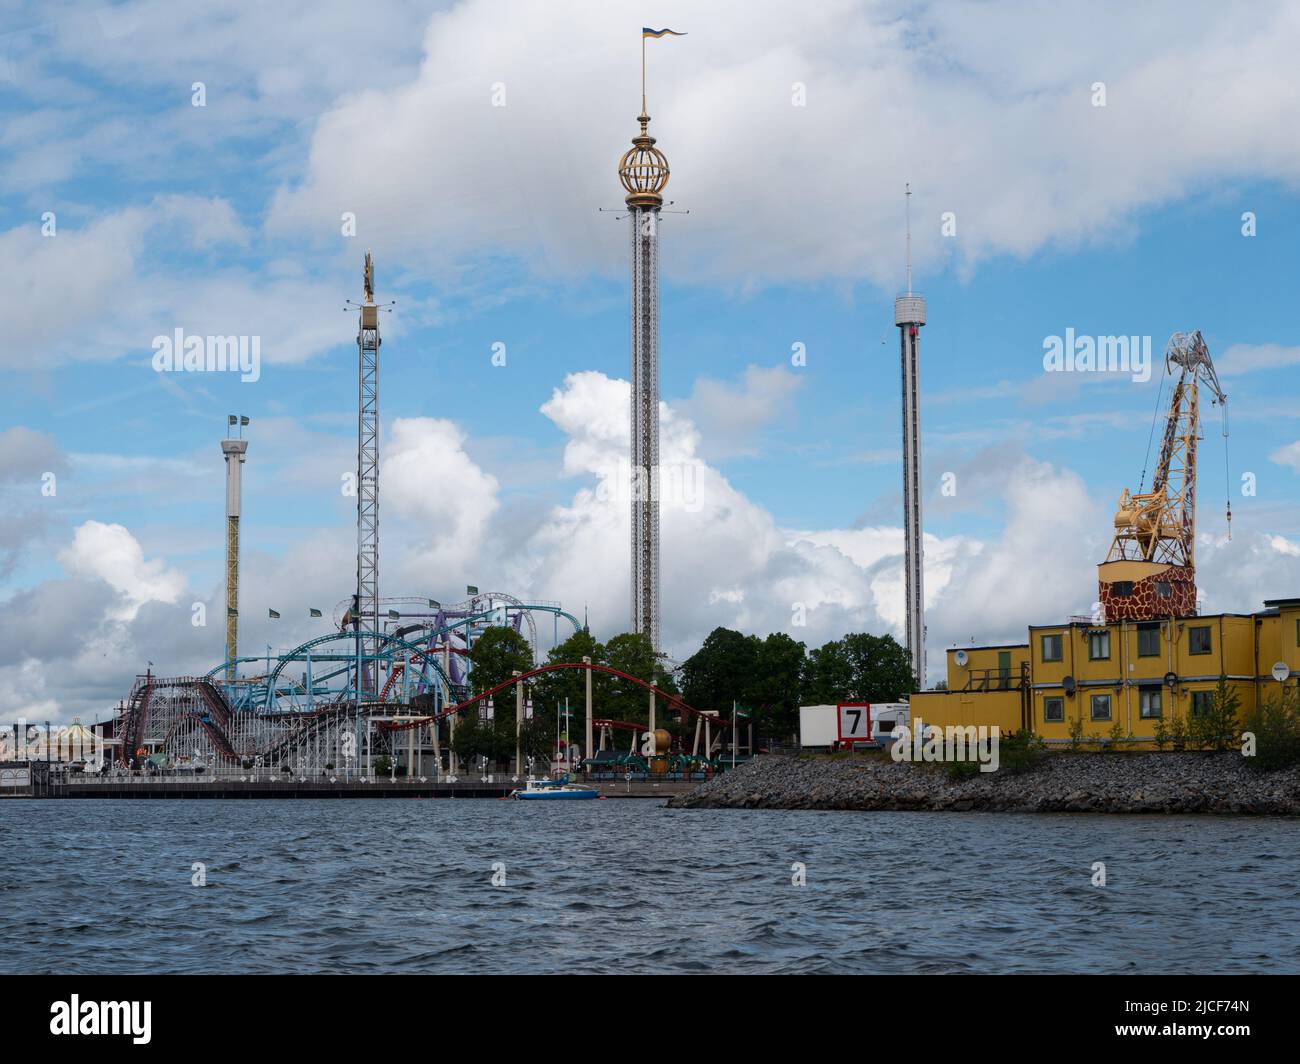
{"points": [[908, 209]]}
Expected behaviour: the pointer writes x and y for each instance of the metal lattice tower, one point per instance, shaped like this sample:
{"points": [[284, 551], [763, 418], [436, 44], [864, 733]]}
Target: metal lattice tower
{"points": [[368, 342], [234, 450], [909, 316], [643, 171]]}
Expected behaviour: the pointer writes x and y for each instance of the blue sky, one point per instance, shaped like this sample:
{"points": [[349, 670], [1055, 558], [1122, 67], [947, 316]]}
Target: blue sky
{"points": [[484, 221]]}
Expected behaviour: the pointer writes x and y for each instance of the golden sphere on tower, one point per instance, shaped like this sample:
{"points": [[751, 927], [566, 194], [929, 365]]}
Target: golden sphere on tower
{"points": [[643, 170]]}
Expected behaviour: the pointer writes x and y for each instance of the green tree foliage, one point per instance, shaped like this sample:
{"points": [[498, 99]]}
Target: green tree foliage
{"points": [[721, 670], [858, 668], [1217, 727], [1275, 724], [828, 675], [773, 693], [497, 654], [761, 675], [552, 688]]}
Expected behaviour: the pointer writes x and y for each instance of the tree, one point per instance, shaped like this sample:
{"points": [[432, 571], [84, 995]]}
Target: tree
{"points": [[773, 688], [621, 699], [721, 671], [498, 653], [1275, 724], [552, 688], [1216, 727], [827, 675], [882, 669]]}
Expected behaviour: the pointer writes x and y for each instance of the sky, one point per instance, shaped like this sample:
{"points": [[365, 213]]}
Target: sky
{"points": [[222, 168]]}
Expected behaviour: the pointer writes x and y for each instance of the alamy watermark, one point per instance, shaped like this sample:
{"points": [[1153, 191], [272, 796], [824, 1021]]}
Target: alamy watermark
{"points": [[951, 743], [179, 353], [1098, 354]]}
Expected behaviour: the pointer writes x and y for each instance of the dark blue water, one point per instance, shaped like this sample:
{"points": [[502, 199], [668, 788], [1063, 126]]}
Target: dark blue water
{"points": [[628, 886]]}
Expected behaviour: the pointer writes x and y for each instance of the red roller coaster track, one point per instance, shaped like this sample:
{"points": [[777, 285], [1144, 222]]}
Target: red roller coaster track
{"points": [[673, 701]]}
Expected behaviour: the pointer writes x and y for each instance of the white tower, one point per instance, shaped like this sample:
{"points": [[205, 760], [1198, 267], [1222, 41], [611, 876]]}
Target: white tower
{"points": [[234, 450], [909, 316]]}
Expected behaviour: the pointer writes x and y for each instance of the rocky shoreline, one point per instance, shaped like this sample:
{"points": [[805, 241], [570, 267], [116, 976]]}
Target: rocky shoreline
{"points": [[1057, 783]]}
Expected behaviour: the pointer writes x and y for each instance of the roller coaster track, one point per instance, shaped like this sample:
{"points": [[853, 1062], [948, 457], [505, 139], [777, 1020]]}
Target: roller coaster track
{"points": [[214, 717], [673, 701], [133, 719]]}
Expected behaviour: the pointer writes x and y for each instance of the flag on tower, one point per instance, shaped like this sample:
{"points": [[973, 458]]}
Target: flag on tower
{"points": [[313, 612], [274, 616], [646, 31]]}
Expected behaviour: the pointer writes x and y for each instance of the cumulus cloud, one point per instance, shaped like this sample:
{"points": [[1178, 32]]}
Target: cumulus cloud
{"points": [[429, 480], [1247, 358], [111, 554], [992, 109], [1288, 456], [732, 416]]}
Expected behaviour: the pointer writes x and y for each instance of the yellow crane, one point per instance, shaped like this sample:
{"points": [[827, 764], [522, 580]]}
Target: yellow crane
{"points": [[1149, 571]]}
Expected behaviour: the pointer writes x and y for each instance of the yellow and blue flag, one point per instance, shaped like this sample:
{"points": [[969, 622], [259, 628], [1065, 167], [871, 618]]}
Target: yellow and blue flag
{"points": [[646, 31]]}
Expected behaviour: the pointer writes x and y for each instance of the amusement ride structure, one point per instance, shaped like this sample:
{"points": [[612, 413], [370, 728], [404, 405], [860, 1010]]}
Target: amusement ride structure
{"points": [[389, 671]]}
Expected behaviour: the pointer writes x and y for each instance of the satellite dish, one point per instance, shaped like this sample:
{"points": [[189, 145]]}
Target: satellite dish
{"points": [[1171, 678], [961, 657], [1281, 672], [1068, 684]]}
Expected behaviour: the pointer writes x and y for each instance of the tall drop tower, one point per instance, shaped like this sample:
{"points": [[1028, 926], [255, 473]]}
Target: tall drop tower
{"points": [[367, 605], [643, 171], [909, 316], [234, 450]]}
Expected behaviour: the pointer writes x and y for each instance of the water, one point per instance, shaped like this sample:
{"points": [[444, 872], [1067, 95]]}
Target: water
{"points": [[629, 886]]}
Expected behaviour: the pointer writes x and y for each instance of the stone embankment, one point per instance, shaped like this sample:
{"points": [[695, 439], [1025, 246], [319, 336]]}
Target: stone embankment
{"points": [[1057, 783]]}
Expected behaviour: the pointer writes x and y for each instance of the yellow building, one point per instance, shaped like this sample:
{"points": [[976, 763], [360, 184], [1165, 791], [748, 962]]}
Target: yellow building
{"points": [[1134, 672]]}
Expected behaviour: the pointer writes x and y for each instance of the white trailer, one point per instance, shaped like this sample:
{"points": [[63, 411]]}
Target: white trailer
{"points": [[819, 725]]}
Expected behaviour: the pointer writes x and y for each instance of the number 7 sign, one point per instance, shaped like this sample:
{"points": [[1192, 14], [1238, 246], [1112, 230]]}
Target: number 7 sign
{"points": [[854, 721]]}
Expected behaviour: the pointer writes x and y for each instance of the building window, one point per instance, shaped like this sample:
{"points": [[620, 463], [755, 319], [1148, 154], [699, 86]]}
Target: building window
{"points": [[1198, 640], [1149, 703], [1099, 646], [1163, 590], [1122, 589], [1051, 647], [1101, 707], [1053, 710], [1149, 641], [1202, 703]]}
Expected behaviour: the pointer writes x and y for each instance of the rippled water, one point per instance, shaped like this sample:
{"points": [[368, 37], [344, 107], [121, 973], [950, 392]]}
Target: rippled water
{"points": [[629, 886]]}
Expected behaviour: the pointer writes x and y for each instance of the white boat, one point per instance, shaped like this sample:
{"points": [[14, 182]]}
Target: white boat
{"points": [[553, 790]]}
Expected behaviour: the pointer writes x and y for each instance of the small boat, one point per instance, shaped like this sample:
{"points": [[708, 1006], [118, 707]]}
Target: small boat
{"points": [[553, 790]]}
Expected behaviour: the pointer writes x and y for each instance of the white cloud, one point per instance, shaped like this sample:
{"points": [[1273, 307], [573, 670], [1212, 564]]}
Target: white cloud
{"points": [[1288, 456], [1247, 358], [428, 479], [110, 553], [989, 112], [731, 417]]}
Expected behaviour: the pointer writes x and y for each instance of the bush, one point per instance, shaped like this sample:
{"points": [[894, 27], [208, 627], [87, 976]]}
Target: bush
{"points": [[1217, 728], [1178, 733], [1019, 752], [1162, 734], [1076, 732], [1275, 725], [1117, 737], [963, 770]]}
